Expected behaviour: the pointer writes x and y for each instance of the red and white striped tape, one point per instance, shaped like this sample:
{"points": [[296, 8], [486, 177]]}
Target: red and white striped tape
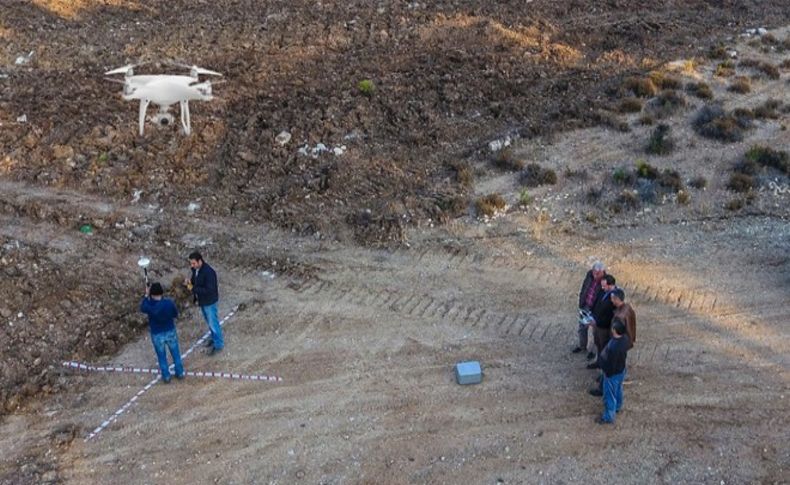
{"points": [[148, 386], [144, 370]]}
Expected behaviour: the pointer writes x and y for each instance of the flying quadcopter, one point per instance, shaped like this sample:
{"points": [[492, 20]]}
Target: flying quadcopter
{"points": [[164, 90]]}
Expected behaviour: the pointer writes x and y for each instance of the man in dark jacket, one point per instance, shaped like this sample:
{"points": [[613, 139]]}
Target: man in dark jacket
{"points": [[612, 363], [591, 287], [204, 287], [602, 314], [161, 315], [625, 313]]}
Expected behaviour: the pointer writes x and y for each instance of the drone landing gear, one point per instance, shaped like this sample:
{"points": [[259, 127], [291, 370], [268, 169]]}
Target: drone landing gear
{"points": [[143, 107], [186, 122]]}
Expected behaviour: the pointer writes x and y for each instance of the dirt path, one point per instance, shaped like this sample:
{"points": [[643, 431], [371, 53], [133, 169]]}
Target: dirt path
{"points": [[366, 350]]}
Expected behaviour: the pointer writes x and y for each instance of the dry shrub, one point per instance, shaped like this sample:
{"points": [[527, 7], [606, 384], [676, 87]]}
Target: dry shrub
{"points": [[489, 204], [534, 175], [713, 122], [451, 205], [785, 64], [718, 52], [463, 173], [725, 69], [609, 120], [666, 103], [670, 179], [740, 85], [506, 160], [630, 105], [640, 87], [660, 142], [646, 120], [646, 171], [663, 80], [735, 204], [623, 176], [740, 182], [699, 182], [683, 197], [768, 110], [628, 199], [701, 90], [768, 157], [762, 67]]}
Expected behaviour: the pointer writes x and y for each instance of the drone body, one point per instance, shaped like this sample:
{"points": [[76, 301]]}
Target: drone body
{"points": [[165, 90]]}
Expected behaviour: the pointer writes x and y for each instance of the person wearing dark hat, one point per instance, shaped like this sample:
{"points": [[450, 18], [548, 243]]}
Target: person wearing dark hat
{"points": [[612, 363], [162, 313], [203, 284]]}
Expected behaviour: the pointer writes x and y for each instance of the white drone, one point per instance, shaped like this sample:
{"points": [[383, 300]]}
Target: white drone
{"points": [[164, 90]]}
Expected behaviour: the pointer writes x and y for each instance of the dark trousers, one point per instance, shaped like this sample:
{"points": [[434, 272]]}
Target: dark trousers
{"points": [[602, 336], [583, 336]]}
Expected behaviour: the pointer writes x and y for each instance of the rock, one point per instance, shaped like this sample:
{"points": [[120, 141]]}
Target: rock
{"points": [[50, 477], [283, 138], [5, 312], [62, 151]]}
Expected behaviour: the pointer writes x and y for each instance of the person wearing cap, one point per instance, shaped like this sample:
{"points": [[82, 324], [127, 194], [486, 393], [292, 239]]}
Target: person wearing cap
{"points": [[162, 313], [205, 289], [588, 295], [612, 362], [625, 313]]}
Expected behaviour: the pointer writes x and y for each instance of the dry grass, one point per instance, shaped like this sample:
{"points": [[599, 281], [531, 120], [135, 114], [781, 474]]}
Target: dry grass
{"points": [[660, 142], [506, 160], [701, 90], [666, 103], [740, 85], [630, 105], [488, 205], [640, 87], [725, 69], [713, 122], [740, 182], [534, 175], [768, 157]]}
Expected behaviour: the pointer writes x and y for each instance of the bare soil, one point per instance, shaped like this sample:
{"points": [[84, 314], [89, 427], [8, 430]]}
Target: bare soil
{"points": [[361, 278]]}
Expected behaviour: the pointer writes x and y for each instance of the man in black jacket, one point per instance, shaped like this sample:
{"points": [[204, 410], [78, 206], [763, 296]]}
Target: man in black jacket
{"points": [[612, 363], [602, 313], [204, 287]]}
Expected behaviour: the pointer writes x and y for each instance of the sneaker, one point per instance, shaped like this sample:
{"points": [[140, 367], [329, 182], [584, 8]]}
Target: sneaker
{"points": [[180, 377], [590, 355], [209, 343], [601, 421], [214, 351], [576, 350], [593, 365], [166, 380], [595, 392]]}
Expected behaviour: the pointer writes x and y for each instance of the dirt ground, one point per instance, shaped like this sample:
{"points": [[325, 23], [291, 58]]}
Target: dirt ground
{"points": [[362, 278]]}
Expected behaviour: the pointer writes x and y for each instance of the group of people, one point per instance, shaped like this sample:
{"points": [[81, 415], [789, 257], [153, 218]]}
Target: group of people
{"points": [[162, 313], [607, 331]]}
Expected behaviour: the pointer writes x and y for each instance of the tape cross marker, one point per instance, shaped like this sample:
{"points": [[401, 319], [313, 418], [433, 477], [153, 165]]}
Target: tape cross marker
{"points": [[138, 370], [148, 386]]}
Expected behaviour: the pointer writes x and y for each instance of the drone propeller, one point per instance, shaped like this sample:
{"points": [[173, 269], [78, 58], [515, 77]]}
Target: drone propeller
{"points": [[125, 69], [197, 69]]}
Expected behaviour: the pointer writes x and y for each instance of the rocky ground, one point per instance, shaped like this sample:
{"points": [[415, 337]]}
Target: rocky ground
{"points": [[366, 269]]}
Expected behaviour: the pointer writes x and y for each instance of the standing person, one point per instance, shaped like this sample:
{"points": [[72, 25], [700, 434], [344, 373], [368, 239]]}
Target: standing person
{"points": [[161, 315], [204, 287], [602, 313], [612, 362], [625, 313], [588, 294]]}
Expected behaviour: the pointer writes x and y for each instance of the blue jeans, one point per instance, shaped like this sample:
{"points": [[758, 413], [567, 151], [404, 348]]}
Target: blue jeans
{"points": [[612, 396], [167, 339], [212, 320]]}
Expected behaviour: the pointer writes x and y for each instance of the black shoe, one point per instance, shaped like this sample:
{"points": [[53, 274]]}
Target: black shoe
{"points": [[595, 392], [593, 365], [209, 343], [166, 381], [590, 355], [601, 421], [180, 377], [576, 350], [214, 351]]}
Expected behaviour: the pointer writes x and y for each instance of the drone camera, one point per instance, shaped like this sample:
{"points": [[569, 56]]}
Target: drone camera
{"points": [[163, 119]]}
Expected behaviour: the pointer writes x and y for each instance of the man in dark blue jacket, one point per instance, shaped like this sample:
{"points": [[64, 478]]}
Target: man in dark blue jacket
{"points": [[612, 363], [205, 289], [161, 315]]}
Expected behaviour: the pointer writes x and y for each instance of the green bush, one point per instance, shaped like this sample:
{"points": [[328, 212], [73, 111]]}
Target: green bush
{"points": [[366, 87], [660, 142]]}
